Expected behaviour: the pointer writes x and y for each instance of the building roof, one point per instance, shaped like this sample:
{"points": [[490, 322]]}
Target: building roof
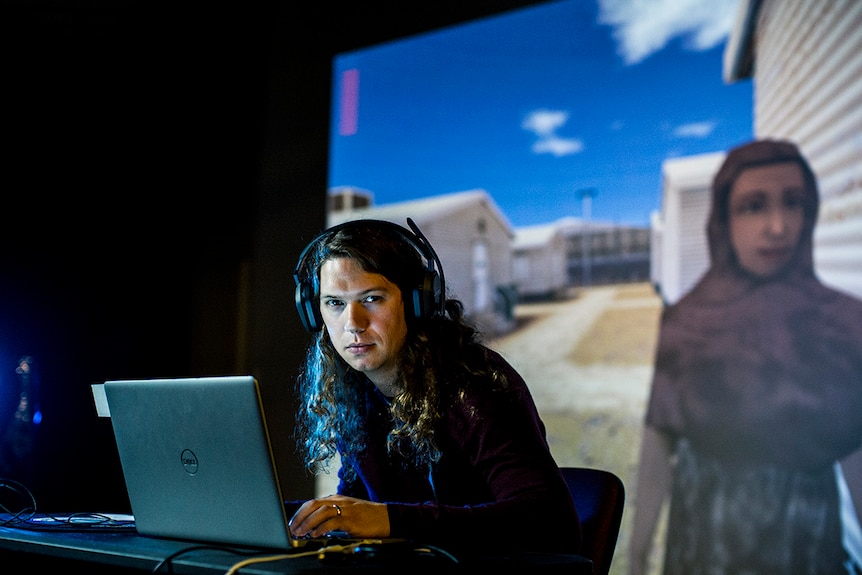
{"points": [[425, 210], [691, 169], [739, 52], [531, 237]]}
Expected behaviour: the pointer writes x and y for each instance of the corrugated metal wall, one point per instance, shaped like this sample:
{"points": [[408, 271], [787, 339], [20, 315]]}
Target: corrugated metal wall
{"points": [[808, 88]]}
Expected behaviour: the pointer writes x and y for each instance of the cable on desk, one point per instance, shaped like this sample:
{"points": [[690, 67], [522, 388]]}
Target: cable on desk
{"points": [[334, 549], [256, 556], [21, 491], [431, 550], [81, 521], [168, 561], [251, 560], [27, 517]]}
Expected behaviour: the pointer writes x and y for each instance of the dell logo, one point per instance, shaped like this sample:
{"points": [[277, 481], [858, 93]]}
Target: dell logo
{"points": [[189, 461]]}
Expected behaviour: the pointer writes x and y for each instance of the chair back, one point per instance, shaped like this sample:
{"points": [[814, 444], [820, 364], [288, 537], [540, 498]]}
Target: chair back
{"points": [[599, 497]]}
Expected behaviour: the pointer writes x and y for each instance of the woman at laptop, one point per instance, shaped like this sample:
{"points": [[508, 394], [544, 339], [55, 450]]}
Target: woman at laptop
{"points": [[438, 436]]}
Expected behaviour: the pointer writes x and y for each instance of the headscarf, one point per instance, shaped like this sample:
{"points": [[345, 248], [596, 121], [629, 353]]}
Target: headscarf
{"points": [[761, 369]]}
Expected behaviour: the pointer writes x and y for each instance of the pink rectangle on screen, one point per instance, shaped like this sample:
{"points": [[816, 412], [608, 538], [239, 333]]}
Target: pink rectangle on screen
{"points": [[349, 103]]}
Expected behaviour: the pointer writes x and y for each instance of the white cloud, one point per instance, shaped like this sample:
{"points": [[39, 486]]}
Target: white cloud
{"points": [[642, 27], [558, 146], [694, 130], [544, 123]]}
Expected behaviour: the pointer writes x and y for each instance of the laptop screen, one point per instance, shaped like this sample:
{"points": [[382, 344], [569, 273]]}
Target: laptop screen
{"points": [[197, 459]]}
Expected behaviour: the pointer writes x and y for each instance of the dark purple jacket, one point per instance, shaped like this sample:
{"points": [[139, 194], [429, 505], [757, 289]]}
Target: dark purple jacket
{"points": [[495, 482]]}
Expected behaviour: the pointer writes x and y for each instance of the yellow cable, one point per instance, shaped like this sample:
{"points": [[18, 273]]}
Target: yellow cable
{"points": [[245, 562], [319, 552]]}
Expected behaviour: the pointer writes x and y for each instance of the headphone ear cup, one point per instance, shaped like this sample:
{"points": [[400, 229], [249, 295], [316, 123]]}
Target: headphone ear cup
{"points": [[306, 305], [427, 299]]}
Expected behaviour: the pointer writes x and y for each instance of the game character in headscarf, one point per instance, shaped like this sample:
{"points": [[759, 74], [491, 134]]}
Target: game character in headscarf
{"points": [[757, 390]]}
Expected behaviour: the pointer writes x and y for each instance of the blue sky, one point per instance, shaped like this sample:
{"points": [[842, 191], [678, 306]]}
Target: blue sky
{"points": [[537, 104]]}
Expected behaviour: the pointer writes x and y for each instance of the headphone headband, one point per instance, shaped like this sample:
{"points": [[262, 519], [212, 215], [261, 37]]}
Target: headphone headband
{"points": [[427, 298]]}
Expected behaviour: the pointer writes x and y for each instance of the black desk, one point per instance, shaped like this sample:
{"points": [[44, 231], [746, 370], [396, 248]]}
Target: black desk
{"points": [[116, 552]]}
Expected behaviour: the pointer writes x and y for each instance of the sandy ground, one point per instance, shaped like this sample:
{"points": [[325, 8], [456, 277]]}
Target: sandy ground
{"points": [[588, 363]]}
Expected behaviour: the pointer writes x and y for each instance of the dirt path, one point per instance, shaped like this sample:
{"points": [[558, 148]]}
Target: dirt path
{"points": [[588, 362], [545, 351]]}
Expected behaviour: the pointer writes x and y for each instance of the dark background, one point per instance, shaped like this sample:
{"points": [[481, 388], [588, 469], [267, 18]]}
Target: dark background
{"points": [[164, 163]]}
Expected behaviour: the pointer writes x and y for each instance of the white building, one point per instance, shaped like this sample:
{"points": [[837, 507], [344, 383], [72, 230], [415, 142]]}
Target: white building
{"points": [[540, 262], [472, 238], [680, 249]]}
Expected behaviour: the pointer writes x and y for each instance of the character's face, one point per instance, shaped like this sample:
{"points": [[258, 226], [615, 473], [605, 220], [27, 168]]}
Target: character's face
{"points": [[766, 216], [364, 317]]}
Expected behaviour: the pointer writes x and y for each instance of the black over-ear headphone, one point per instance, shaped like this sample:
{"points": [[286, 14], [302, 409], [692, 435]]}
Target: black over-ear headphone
{"points": [[427, 298]]}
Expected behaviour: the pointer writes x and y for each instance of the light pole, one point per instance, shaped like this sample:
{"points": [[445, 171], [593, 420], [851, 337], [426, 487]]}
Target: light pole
{"points": [[587, 195]]}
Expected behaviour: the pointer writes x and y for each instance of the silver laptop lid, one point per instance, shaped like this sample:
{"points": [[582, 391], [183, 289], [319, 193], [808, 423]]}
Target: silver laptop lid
{"points": [[197, 460]]}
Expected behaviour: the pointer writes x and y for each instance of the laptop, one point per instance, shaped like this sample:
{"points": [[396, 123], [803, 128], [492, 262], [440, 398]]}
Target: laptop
{"points": [[197, 459]]}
